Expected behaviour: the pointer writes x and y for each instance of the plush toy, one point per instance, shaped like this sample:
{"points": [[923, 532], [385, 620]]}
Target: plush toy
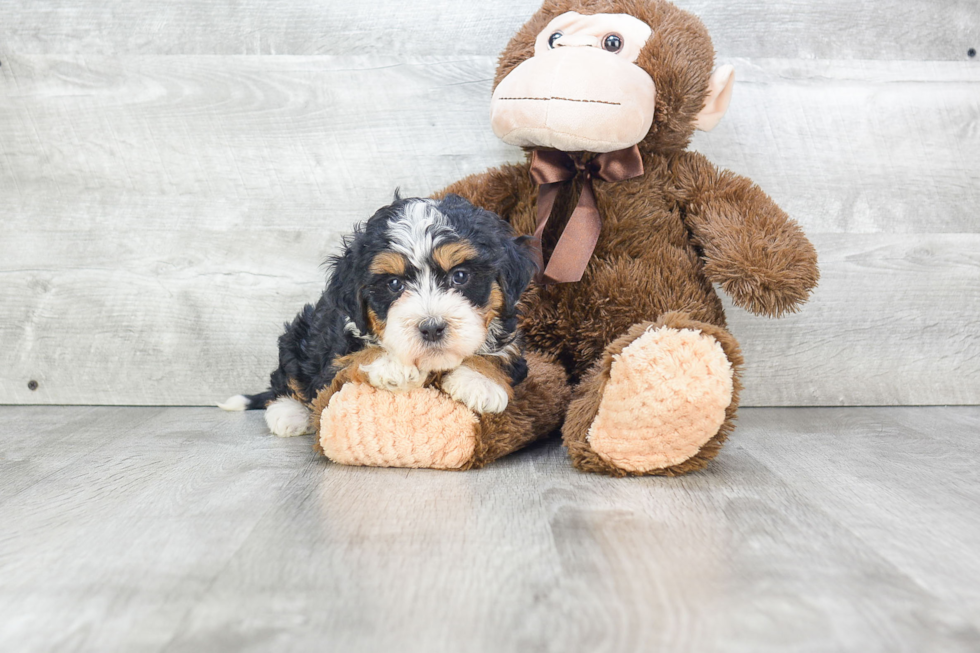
{"points": [[633, 230], [358, 424]]}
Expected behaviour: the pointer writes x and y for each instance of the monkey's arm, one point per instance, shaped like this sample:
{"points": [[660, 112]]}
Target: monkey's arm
{"points": [[497, 190], [751, 248]]}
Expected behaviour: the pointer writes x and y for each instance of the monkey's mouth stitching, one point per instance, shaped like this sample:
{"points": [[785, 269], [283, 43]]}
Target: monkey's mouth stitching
{"points": [[564, 99]]}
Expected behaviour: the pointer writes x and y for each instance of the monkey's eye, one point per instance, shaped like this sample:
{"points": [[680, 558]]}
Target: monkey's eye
{"points": [[395, 285], [612, 43], [460, 277], [551, 39]]}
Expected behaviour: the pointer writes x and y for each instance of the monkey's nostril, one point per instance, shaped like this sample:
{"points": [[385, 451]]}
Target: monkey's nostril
{"points": [[432, 330]]}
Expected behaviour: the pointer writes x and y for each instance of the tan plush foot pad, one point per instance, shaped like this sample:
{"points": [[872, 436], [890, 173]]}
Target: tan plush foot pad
{"points": [[665, 398], [426, 428], [419, 428]]}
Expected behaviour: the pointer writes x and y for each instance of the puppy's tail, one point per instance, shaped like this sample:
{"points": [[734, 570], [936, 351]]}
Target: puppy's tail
{"points": [[248, 402]]}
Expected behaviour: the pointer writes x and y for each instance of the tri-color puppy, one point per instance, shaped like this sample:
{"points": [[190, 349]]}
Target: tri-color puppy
{"points": [[424, 292]]}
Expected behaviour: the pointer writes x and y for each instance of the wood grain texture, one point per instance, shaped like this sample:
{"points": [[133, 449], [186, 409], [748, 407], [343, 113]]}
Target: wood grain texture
{"points": [[259, 142], [897, 455], [189, 529], [835, 29], [164, 215], [192, 317], [166, 201], [857, 147], [174, 317], [893, 322], [243, 142]]}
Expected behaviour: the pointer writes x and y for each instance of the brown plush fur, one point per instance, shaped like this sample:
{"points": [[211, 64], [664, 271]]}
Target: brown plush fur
{"points": [[666, 235]]}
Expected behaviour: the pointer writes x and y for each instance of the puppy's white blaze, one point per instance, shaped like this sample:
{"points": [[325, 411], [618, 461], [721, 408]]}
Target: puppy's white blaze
{"points": [[477, 392], [387, 373], [465, 331], [417, 231], [287, 417], [238, 402]]}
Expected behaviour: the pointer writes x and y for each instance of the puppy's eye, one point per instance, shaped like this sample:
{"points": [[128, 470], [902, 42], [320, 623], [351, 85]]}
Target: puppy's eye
{"points": [[612, 43], [551, 39], [395, 284], [460, 277]]}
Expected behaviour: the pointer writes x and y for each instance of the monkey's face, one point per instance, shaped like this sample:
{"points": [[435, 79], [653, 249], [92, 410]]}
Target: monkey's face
{"points": [[604, 75], [582, 90]]}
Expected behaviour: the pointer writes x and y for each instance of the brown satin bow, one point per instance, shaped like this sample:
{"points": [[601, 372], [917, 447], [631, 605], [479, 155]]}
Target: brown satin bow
{"points": [[549, 169]]}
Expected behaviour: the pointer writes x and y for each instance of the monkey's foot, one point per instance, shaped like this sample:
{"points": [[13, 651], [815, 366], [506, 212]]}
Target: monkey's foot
{"points": [[653, 404], [418, 428], [362, 425]]}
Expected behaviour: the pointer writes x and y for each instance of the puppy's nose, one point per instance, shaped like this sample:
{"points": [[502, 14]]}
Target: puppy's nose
{"points": [[432, 330]]}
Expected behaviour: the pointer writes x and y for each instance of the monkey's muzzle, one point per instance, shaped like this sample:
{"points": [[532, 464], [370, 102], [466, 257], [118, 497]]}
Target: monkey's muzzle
{"points": [[574, 99]]}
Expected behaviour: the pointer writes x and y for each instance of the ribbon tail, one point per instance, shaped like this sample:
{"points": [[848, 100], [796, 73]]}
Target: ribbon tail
{"points": [[577, 242], [547, 193]]}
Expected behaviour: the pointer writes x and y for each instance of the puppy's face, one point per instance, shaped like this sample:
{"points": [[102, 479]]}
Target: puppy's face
{"points": [[436, 282]]}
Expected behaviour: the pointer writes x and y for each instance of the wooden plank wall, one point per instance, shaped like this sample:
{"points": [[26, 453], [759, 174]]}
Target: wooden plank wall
{"points": [[172, 175]]}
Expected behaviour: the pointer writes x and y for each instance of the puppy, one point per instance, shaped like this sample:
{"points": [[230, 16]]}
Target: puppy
{"points": [[424, 292]]}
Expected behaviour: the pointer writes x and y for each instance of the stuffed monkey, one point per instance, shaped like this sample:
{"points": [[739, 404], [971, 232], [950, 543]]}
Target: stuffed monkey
{"points": [[633, 229]]}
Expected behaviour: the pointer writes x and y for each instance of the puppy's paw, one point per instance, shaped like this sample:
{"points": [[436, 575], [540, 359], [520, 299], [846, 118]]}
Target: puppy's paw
{"points": [[387, 373], [287, 417], [477, 392]]}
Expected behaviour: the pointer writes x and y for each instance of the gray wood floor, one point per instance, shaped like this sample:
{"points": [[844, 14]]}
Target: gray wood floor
{"points": [[189, 529]]}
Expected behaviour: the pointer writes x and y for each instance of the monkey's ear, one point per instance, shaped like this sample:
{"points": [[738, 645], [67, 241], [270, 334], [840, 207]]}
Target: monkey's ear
{"points": [[719, 97]]}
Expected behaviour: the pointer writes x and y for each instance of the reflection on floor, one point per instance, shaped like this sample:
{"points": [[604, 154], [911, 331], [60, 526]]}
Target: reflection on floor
{"points": [[191, 529]]}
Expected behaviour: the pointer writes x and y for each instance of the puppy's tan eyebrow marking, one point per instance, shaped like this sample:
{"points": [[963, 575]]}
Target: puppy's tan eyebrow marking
{"points": [[450, 255], [389, 263]]}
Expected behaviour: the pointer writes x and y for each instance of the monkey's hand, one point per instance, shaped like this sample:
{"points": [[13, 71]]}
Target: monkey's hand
{"points": [[751, 248]]}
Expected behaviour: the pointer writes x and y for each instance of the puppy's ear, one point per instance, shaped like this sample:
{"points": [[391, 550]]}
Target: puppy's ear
{"points": [[452, 202], [346, 286], [516, 271], [398, 196]]}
